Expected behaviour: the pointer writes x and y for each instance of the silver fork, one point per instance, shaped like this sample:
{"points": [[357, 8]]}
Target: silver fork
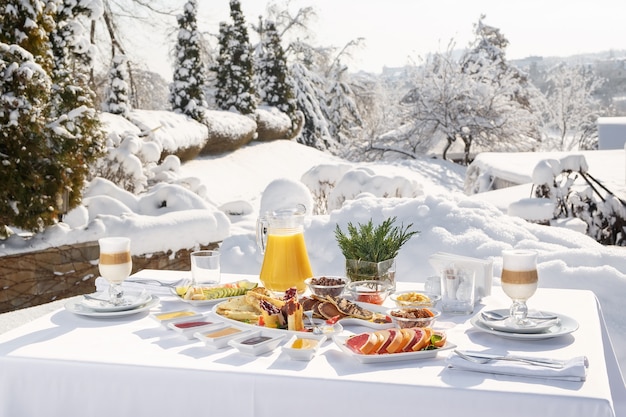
{"points": [[477, 358], [151, 281]]}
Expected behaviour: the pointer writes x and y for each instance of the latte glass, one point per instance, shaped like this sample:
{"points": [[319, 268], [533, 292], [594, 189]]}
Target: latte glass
{"points": [[519, 281], [115, 265]]}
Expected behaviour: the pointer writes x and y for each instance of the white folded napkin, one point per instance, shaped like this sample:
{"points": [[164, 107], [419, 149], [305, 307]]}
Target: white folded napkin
{"points": [[149, 284], [575, 369]]}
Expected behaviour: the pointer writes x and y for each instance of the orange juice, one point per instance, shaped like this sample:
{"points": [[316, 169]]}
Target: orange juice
{"points": [[286, 262]]}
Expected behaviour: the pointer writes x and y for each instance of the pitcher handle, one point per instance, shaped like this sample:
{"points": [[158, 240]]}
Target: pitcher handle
{"points": [[261, 233]]}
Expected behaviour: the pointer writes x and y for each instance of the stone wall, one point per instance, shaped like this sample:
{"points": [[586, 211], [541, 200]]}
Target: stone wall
{"points": [[35, 278]]}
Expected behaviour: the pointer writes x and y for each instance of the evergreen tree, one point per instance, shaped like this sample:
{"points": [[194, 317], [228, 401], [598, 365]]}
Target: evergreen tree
{"points": [[187, 89], [46, 143], [275, 85], [116, 99], [235, 70]]}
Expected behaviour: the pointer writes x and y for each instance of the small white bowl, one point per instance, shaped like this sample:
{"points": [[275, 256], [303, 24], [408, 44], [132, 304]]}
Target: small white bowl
{"points": [[310, 344], [257, 342], [187, 327], [218, 338], [166, 317]]}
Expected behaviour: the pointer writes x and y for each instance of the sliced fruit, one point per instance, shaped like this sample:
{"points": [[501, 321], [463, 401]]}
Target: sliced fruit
{"points": [[386, 335], [247, 285], [438, 339], [421, 340], [357, 342], [396, 341], [407, 337]]}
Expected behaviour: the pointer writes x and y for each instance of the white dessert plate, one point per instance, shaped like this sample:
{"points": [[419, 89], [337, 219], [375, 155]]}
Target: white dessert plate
{"points": [[100, 301], [340, 341], [510, 327], [77, 307], [565, 325]]}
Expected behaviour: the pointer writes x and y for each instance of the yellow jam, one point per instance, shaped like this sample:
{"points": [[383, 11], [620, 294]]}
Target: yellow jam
{"points": [[175, 315], [304, 343]]}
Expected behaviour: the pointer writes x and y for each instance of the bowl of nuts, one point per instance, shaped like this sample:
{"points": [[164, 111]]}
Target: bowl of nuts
{"points": [[326, 285], [415, 299], [407, 317]]}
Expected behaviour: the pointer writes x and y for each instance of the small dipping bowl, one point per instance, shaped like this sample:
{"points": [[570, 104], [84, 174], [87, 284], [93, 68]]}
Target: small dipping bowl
{"points": [[418, 299], [303, 347], [407, 317], [369, 291], [327, 285]]}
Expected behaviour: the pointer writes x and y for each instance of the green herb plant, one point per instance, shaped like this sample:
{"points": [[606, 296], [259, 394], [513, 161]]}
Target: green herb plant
{"points": [[373, 244]]}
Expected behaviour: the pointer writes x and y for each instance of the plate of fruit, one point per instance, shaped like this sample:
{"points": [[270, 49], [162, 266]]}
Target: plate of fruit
{"points": [[199, 296], [390, 345]]}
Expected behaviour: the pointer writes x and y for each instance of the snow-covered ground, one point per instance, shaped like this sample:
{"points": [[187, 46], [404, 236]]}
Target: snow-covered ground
{"points": [[427, 193]]}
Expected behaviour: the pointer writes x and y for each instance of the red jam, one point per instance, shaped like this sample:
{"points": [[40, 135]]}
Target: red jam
{"points": [[190, 324]]}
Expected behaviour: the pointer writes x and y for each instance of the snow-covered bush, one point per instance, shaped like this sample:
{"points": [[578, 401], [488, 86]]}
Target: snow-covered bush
{"points": [[559, 182]]}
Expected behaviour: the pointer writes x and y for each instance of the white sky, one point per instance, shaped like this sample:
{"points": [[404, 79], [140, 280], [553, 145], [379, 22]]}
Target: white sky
{"points": [[396, 30]]}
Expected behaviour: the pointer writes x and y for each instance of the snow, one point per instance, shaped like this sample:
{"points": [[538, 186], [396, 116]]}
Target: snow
{"points": [[427, 193]]}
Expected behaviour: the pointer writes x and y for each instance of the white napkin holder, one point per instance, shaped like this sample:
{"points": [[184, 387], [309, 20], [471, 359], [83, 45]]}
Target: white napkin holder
{"points": [[483, 270]]}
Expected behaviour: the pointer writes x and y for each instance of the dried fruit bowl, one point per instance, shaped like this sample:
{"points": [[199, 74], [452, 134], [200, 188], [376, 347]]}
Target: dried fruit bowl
{"points": [[408, 317]]}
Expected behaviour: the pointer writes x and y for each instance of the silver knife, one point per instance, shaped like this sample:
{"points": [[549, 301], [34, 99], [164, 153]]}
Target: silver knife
{"points": [[557, 363]]}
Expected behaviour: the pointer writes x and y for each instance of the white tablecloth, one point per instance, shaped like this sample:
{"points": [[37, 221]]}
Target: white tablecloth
{"points": [[68, 365]]}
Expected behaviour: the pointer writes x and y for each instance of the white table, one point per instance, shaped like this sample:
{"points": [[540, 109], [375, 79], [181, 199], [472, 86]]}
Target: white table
{"points": [[67, 365]]}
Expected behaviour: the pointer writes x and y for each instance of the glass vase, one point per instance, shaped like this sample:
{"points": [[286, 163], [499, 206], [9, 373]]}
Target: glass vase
{"points": [[359, 270]]}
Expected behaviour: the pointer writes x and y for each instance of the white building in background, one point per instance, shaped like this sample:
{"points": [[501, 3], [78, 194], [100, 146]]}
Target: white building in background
{"points": [[611, 133]]}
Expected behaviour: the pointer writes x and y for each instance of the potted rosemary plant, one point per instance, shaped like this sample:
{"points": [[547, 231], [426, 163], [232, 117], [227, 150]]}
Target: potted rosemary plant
{"points": [[371, 251]]}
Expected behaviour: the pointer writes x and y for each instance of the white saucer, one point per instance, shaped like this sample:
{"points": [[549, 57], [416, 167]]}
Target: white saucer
{"points": [[566, 325], [133, 299], [77, 307], [509, 326]]}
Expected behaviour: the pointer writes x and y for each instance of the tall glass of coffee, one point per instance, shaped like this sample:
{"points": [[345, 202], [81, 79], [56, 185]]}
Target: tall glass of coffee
{"points": [[519, 281]]}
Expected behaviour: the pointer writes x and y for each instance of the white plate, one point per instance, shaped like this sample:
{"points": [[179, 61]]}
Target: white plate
{"points": [[328, 330], [203, 302], [303, 354], [133, 299], [389, 357], [506, 326], [76, 307], [566, 325]]}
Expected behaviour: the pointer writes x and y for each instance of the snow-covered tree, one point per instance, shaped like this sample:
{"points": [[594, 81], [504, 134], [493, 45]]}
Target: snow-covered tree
{"points": [[310, 93], [235, 66], [572, 108], [343, 115], [274, 83], [48, 131], [117, 94], [190, 79]]}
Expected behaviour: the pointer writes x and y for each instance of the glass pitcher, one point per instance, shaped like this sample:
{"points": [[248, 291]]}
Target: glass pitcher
{"points": [[280, 237]]}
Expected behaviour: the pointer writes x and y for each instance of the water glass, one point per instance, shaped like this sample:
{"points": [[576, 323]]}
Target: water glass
{"points": [[457, 291], [205, 268]]}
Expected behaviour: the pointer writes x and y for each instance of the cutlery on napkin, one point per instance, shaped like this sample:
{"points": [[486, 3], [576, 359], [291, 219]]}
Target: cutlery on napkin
{"points": [[155, 286], [574, 369]]}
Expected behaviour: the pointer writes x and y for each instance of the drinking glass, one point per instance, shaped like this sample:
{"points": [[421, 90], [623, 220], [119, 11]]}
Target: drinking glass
{"points": [[205, 268], [519, 281], [115, 265]]}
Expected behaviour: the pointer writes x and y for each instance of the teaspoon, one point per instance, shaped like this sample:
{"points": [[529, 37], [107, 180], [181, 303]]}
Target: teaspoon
{"points": [[494, 315]]}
